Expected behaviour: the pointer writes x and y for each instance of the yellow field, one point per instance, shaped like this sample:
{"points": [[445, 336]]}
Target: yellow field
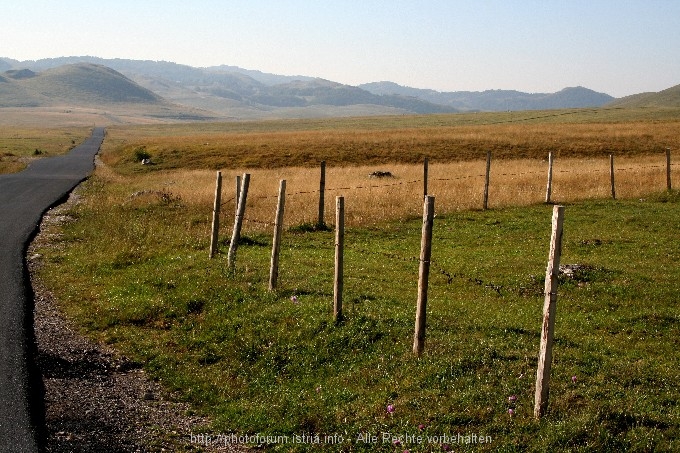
{"points": [[368, 201], [186, 157], [345, 142]]}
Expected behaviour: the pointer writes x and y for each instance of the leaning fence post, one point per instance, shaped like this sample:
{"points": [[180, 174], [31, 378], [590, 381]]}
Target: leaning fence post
{"points": [[339, 257], [668, 169], [423, 275], [549, 309], [214, 236], [238, 222], [611, 175], [322, 188], [238, 194], [486, 180], [548, 190], [276, 242]]}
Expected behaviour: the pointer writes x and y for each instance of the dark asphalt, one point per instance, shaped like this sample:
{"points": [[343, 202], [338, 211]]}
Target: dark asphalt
{"points": [[24, 197]]}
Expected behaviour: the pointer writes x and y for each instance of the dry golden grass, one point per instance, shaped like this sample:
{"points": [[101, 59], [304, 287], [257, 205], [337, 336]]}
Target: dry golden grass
{"points": [[345, 143], [370, 201], [186, 157]]}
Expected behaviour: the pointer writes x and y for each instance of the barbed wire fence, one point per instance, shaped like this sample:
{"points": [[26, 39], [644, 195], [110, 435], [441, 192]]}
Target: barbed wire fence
{"points": [[438, 267], [425, 180], [425, 262], [450, 276]]}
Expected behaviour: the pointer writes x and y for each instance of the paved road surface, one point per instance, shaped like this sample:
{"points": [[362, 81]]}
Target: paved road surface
{"points": [[24, 197]]}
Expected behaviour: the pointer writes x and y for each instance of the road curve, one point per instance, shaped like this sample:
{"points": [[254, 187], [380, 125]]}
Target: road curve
{"points": [[24, 197]]}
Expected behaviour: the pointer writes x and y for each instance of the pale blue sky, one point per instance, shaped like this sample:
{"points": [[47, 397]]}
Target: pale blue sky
{"points": [[619, 47]]}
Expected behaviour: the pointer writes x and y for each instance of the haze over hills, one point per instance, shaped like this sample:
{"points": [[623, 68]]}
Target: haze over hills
{"points": [[85, 85], [498, 100], [232, 92], [237, 94]]}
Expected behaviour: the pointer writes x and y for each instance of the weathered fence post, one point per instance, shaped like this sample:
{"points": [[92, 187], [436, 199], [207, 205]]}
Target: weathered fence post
{"points": [[423, 275], [668, 169], [339, 257], [322, 189], [486, 180], [214, 236], [549, 309], [238, 222], [426, 164], [238, 194], [276, 242], [611, 175], [548, 190]]}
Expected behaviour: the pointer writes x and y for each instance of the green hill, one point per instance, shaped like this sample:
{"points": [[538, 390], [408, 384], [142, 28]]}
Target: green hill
{"points": [[15, 94], [669, 98], [87, 84], [97, 89]]}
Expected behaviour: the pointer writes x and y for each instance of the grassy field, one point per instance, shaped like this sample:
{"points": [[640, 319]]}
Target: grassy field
{"points": [[132, 269], [20, 144], [376, 141]]}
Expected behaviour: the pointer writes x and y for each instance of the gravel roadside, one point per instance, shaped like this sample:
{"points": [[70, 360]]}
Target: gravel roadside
{"points": [[95, 399]]}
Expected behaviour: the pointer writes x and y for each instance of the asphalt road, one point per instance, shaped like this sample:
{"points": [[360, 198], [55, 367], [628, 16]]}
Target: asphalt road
{"points": [[24, 197]]}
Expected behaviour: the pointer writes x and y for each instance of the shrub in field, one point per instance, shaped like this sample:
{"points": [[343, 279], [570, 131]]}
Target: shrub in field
{"points": [[141, 154]]}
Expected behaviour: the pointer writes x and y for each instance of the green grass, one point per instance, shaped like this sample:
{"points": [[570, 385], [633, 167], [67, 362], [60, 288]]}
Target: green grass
{"points": [[19, 143], [137, 276]]}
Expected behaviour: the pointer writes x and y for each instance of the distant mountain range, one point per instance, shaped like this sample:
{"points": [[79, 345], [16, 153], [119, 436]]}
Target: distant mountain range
{"points": [[174, 90], [497, 100]]}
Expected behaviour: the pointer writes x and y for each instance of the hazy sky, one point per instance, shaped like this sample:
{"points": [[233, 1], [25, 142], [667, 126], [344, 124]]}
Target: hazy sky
{"points": [[619, 47]]}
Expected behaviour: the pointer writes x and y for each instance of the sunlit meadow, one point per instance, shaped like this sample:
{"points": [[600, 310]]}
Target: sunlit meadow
{"points": [[133, 270]]}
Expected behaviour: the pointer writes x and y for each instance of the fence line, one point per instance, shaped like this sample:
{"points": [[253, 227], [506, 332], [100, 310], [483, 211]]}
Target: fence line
{"points": [[457, 178], [425, 261], [268, 223], [447, 274], [322, 188]]}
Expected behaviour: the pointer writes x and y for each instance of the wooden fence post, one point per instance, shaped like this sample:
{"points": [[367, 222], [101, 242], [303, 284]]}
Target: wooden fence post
{"points": [[276, 242], [423, 275], [611, 175], [549, 309], [668, 169], [214, 236], [339, 257], [548, 190], [486, 180], [238, 194], [426, 164], [238, 222], [322, 188]]}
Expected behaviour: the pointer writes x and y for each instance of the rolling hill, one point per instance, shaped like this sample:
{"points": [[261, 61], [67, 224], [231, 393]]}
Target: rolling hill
{"points": [[85, 84], [497, 100], [225, 93], [668, 98], [90, 86], [229, 92], [79, 84]]}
